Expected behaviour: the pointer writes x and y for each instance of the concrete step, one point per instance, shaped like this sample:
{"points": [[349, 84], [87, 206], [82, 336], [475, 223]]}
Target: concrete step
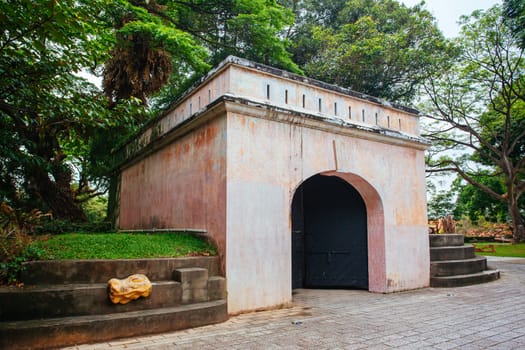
{"points": [[100, 271], [452, 253], [457, 267], [68, 331], [446, 240], [35, 302], [464, 280]]}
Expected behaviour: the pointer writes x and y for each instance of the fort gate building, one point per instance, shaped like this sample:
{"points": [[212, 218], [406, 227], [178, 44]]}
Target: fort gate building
{"points": [[298, 182]]}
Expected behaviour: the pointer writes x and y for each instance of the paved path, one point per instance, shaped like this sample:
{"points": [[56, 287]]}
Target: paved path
{"points": [[490, 315]]}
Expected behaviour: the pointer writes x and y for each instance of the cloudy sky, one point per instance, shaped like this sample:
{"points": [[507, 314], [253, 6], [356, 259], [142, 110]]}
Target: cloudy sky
{"points": [[447, 12]]}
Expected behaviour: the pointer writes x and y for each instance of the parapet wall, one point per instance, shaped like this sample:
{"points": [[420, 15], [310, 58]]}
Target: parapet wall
{"points": [[239, 78]]}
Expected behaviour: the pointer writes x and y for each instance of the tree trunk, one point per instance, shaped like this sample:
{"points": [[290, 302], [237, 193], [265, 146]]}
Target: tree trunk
{"points": [[518, 224], [57, 195], [114, 200], [51, 182]]}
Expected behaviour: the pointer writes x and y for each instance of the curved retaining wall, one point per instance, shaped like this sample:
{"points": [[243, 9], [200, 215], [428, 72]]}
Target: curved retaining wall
{"points": [[100, 271]]}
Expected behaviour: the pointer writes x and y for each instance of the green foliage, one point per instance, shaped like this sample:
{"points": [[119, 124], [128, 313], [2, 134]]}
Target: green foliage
{"points": [[493, 127], [441, 205], [381, 48], [248, 28], [179, 40], [124, 246], [256, 29], [14, 251], [475, 203], [514, 13]]}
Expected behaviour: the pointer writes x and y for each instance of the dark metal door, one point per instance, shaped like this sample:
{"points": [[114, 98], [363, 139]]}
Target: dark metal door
{"points": [[335, 249]]}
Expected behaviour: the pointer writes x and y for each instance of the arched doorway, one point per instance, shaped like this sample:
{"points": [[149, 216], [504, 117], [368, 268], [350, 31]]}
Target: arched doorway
{"points": [[329, 235]]}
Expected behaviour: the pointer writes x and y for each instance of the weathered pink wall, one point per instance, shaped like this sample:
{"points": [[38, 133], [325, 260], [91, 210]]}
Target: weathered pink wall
{"points": [[268, 159], [180, 186]]}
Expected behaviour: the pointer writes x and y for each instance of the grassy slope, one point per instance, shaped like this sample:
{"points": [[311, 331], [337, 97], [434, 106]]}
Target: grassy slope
{"points": [[504, 249], [124, 246]]}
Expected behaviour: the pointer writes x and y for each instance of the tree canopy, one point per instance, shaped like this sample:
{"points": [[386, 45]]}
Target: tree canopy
{"points": [[172, 41], [57, 128], [381, 48], [45, 106]]}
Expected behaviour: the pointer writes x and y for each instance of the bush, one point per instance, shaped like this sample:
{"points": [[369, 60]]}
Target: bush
{"points": [[64, 226], [96, 209], [16, 243], [15, 249], [484, 230]]}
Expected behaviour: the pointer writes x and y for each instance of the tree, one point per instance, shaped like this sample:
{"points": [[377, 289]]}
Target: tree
{"points": [[378, 47], [57, 130], [149, 49], [44, 104], [178, 41], [478, 105]]}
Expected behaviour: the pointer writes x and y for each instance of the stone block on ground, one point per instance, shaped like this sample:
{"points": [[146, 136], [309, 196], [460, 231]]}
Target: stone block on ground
{"points": [[216, 288]]}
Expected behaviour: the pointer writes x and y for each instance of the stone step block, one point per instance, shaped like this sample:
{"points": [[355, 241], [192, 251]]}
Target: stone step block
{"points": [[194, 282], [446, 240], [53, 301], [68, 331], [464, 280], [452, 253], [457, 267]]}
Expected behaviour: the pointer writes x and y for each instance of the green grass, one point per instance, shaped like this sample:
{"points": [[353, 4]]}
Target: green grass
{"points": [[504, 249], [124, 246]]}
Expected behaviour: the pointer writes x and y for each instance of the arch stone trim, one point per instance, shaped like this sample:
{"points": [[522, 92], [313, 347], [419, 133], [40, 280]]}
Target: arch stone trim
{"points": [[377, 278]]}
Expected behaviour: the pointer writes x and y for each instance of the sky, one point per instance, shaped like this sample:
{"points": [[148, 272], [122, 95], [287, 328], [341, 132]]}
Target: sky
{"points": [[447, 12]]}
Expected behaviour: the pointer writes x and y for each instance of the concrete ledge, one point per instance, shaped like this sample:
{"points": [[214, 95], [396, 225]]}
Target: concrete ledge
{"points": [[452, 253], [457, 267], [100, 271], [53, 333], [464, 280], [446, 239], [79, 300]]}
